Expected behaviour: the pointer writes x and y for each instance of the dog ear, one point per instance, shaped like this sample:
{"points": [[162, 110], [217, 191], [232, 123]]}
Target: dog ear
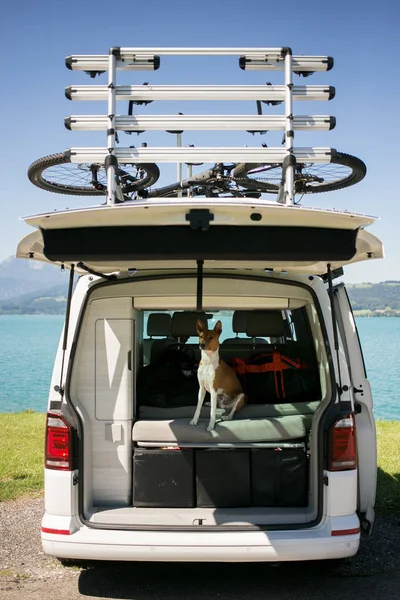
{"points": [[218, 327], [200, 327]]}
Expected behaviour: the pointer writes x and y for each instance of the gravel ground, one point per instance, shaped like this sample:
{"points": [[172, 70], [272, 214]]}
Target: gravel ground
{"points": [[25, 571]]}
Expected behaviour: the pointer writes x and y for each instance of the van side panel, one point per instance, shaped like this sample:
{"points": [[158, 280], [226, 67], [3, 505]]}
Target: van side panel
{"points": [[101, 390], [113, 381]]}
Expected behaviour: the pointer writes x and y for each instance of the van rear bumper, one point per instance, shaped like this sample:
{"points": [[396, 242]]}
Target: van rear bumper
{"points": [[254, 546]]}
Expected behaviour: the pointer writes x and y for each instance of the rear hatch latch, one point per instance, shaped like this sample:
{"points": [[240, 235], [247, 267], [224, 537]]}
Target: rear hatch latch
{"points": [[199, 219]]}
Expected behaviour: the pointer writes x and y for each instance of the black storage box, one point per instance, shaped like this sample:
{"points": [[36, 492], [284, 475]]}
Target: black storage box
{"points": [[223, 478], [163, 478], [279, 477]]}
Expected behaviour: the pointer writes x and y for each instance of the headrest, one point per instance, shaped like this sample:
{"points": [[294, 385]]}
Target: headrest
{"points": [[239, 321], [184, 324], [159, 324], [265, 323]]}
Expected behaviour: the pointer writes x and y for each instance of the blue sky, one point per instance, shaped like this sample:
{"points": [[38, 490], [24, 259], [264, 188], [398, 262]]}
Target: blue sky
{"points": [[361, 36]]}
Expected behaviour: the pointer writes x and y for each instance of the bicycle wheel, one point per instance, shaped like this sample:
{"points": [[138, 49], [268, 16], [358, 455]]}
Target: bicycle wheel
{"points": [[56, 173], [310, 178]]}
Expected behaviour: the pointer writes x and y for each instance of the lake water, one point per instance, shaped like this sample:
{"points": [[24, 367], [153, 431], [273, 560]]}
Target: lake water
{"points": [[28, 345]]}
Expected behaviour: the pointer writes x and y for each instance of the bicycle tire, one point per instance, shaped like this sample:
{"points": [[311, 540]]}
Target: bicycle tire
{"points": [[357, 168], [38, 177]]}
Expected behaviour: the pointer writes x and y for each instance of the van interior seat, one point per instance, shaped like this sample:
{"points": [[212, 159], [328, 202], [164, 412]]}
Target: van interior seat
{"points": [[158, 326], [271, 324], [184, 326], [268, 324], [239, 325]]}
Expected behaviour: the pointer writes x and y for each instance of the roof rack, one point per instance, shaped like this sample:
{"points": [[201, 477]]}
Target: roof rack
{"points": [[277, 59]]}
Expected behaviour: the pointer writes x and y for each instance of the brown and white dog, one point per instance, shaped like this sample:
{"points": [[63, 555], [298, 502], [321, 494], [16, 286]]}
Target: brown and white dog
{"points": [[216, 377]]}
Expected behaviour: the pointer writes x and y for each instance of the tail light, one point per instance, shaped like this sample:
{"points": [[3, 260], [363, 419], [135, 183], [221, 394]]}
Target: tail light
{"points": [[343, 444], [58, 451]]}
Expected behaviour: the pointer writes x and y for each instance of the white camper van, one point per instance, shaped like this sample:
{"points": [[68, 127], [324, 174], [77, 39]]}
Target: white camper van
{"points": [[127, 477], [293, 475]]}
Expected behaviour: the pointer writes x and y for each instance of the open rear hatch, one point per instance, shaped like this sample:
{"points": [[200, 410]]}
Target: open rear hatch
{"points": [[225, 234]]}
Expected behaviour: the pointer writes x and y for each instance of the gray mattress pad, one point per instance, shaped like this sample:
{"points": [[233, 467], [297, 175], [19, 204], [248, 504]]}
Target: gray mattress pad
{"points": [[250, 411], [270, 429]]}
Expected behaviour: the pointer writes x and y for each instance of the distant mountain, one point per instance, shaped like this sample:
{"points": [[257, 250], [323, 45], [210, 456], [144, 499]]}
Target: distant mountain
{"points": [[21, 276], [375, 299], [50, 301], [30, 287]]}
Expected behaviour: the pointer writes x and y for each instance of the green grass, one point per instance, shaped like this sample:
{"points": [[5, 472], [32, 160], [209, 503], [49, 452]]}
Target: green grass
{"points": [[22, 443], [21, 454], [388, 490]]}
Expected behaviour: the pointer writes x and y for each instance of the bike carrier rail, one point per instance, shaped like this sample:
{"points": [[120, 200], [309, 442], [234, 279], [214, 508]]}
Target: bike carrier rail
{"points": [[198, 122], [277, 59], [148, 93], [200, 154]]}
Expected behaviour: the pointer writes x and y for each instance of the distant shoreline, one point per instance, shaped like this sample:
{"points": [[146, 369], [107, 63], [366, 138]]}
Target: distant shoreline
{"points": [[376, 314], [28, 314]]}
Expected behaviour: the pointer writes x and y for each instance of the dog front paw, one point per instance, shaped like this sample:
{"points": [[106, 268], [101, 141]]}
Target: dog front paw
{"points": [[211, 427], [193, 422], [226, 417]]}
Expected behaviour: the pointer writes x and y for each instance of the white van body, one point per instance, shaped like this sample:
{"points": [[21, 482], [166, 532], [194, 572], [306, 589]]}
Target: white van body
{"points": [[96, 425]]}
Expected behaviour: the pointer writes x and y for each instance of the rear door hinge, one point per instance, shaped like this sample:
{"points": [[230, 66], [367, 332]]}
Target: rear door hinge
{"points": [[75, 479], [326, 480]]}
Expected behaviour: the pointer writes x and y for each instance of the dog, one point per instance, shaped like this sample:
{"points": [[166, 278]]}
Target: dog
{"points": [[216, 377]]}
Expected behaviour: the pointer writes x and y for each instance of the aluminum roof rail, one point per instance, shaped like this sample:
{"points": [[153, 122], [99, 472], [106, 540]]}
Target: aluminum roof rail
{"points": [[201, 154], [147, 93], [199, 122]]}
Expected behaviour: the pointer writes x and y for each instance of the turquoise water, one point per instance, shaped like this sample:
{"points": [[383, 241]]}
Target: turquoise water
{"points": [[380, 339], [28, 345]]}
